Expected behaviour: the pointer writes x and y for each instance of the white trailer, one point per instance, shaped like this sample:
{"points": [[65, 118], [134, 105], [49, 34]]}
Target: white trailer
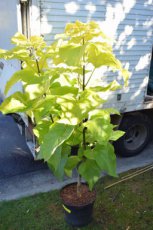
{"points": [[130, 23]]}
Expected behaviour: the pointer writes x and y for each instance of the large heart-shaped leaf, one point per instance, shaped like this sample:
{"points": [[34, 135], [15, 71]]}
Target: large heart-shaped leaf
{"points": [[57, 134], [90, 171]]}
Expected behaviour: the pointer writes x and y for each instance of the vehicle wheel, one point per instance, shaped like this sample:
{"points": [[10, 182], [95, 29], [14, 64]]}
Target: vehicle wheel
{"points": [[138, 129]]}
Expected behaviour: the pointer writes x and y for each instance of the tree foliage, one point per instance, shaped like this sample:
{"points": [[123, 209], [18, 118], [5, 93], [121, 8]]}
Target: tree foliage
{"points": [[60, 101]]}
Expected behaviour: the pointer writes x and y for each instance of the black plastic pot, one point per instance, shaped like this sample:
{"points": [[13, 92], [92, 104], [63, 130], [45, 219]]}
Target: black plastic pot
{"points": [[78, 216]]}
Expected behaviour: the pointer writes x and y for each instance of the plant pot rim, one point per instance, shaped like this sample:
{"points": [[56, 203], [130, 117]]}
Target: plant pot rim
{"points": [[73, 205]]}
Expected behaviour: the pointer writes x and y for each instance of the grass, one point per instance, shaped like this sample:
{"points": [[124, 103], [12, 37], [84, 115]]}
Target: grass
{"points": [[127, 206]]}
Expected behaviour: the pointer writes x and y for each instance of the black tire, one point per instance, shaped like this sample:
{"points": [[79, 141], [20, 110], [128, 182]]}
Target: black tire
{"points": [[138, 130]]}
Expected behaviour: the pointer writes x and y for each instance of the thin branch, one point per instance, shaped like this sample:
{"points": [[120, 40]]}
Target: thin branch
{"points": [[146, 169], [83, 133], [138, 171]]}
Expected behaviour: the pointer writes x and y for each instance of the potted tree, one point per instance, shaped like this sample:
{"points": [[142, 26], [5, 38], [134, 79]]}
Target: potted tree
{"points": [[63, 98]]}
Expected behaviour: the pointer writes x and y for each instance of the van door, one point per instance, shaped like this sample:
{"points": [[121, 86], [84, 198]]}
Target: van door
{"points": [[10, 23]]}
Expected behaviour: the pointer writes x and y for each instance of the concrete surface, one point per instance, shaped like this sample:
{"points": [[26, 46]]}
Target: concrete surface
{"points": [[20, 176], [15, 157]]}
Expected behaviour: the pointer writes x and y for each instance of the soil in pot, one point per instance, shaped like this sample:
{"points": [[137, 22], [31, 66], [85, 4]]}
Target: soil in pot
{"points": [[78, 209]]}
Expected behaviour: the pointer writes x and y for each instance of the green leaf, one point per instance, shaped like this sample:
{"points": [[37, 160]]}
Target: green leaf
{"points": [[90, 171], [76, 136], [103, 113], [44, 107], [19, 39], [14, 79], [59, 173], [37, 42], [17, 53], [99, 57], [100, 113], [88, 153], [55, 160], [112, 111], [105, 158], [17, 102], [71, 163], [71, 55], [80, 151], [89, 100], [71, 111], [126, 75], [114, 85], [66, 149], [63, 90], [21, 75], [100, 129], [116, 135], [57, 134], [100, 158], [78, 31], [41, 129], [34, 90]]}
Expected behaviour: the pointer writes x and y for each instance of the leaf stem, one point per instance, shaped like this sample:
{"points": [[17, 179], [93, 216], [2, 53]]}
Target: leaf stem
{"points": [[83, 72], [51, 118], [37, 63], [83, 83], [79, 83], [90, 77], [84, 138]]}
